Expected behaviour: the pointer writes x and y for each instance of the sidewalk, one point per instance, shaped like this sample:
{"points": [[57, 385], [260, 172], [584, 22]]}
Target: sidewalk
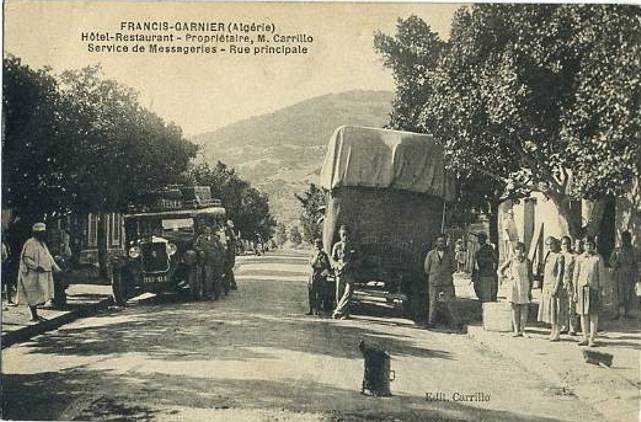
{"points": [[563, 366], [82, 300]]}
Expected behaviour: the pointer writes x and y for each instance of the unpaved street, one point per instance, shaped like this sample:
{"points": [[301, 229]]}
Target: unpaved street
{"points": [[255, 356]]}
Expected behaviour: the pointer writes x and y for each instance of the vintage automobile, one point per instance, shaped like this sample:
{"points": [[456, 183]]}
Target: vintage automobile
{"points": [[389, 187], [159, 241]]}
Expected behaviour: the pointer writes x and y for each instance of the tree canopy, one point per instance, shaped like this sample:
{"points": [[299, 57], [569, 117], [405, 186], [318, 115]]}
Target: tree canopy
{"points": [[312, 203], [538, 98], [81, 142], [245, 205]]}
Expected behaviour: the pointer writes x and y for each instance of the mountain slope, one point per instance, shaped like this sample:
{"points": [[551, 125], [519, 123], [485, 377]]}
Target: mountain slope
{"points": [[282, 152]]}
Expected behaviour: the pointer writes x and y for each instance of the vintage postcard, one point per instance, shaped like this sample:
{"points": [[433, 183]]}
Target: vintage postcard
{"points": [[320, 211]]}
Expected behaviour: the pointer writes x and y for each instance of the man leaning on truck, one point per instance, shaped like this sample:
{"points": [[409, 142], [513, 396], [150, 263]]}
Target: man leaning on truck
{"points": [[439, 266]]}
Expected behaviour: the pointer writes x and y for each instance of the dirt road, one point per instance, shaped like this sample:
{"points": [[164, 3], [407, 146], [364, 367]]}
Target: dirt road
{"points": [[254, 356]]}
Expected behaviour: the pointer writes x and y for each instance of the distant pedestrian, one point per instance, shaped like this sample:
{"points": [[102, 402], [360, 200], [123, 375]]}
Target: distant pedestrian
{"points": [[569, 260], [589, 278], [439, 266], [345, 259], [553, 295], [232, 250], [626, 262], [317, 280], [484, 271], [518, 273], [35, 275]]}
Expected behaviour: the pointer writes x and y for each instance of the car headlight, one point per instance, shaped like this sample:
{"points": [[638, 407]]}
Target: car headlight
{"points": [[134, 252], [171, 249]]}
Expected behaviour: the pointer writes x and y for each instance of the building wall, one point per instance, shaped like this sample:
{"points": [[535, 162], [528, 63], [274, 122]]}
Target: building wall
{"points": [[540, 214], [115, 236]]}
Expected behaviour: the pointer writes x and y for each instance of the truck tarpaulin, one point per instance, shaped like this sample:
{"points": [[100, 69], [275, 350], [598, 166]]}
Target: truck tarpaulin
{"points": [[389, 187]]}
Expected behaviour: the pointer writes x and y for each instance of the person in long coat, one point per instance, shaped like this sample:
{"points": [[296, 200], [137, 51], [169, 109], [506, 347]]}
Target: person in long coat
{"points": [[439, 266], [569, 259], [484, 271], [626, 262], [589, 278], [35, 273], [553, 295]]}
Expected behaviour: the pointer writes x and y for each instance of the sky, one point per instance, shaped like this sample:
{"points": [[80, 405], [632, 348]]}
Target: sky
{"points": [[204, 92]]}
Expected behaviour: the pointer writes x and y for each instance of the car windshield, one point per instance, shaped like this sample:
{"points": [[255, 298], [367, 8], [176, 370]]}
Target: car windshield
{"points": [[177, 225]]}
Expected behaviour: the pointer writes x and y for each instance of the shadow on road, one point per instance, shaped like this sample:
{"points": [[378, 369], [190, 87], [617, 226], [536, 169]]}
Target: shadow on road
{"points": [[262, 321], [62, 395]]}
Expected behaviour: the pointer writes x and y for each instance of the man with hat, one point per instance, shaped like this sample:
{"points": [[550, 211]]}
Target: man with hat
{"points": [[344, 257], [35, 273]]}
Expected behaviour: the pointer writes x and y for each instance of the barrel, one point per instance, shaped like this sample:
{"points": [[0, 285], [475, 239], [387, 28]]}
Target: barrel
{"points": [[497, 316]]}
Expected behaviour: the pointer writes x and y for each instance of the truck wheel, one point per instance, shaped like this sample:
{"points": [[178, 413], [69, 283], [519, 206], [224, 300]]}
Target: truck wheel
{"points": [[119, 288]]}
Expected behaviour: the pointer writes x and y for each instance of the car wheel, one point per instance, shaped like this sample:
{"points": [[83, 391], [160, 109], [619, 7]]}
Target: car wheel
{"points": [[119, 288]]}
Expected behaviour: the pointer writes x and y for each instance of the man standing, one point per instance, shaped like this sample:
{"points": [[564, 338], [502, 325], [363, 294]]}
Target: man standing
{"points": [[484, 271], [210, 252], [625, 261], [320, 266], [439, 267], [231, 254], [35, 275], [345, 256]]}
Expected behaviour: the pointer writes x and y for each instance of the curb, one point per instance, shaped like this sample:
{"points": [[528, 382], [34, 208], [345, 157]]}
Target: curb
{"points": [[607, 405], [26, 333]]}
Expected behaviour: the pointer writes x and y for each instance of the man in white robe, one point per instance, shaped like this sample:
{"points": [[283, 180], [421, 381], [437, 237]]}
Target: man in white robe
{"points": [[35, 274]]}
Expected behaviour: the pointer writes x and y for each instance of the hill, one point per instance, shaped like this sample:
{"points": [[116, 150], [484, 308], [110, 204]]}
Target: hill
{"points": [[282, 152]]}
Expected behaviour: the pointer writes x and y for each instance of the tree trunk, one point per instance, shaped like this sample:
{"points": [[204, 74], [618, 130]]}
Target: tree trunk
{"points": [[494, 223], [571, 221], [103, 272]]}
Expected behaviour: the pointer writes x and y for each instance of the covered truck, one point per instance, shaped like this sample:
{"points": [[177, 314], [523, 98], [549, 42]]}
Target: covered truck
{"points": [[389, 187]]}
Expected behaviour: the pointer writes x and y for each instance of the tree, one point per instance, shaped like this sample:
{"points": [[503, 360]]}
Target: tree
{"points": [[82, 143], [245, 205], [281, 234], [294, 236], [121, 150], [33, 182], [542, 99], [413, 56], [545, 99], [313, 208]]}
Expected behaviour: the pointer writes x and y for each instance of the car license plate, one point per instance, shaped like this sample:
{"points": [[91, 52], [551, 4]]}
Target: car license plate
{"points": [[155, 279]]}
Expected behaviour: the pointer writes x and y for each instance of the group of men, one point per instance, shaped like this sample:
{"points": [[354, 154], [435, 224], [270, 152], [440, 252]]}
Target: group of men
{"points": [[343, 264], [436, 292], [216, 259], [440, 264]]}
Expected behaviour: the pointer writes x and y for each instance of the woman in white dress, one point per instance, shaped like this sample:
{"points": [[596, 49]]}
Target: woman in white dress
{"points": [[518, 273]]}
